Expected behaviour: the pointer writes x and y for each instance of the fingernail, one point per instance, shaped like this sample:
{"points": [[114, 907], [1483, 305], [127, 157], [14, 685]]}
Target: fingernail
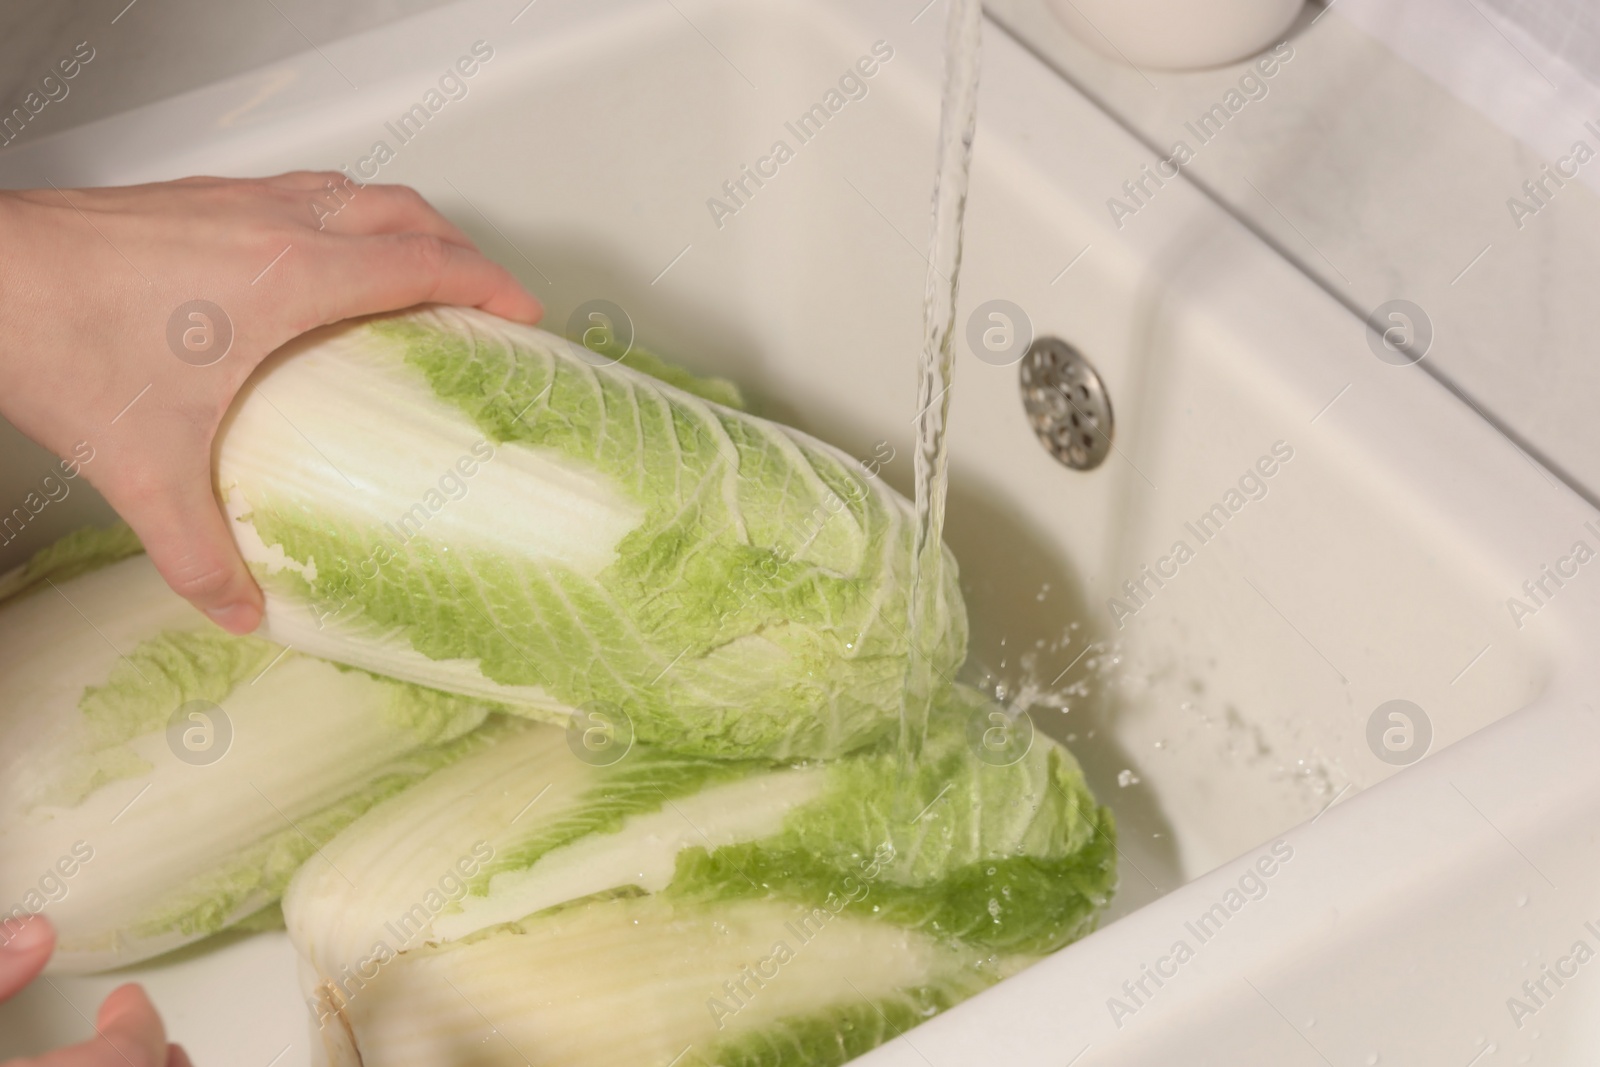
{"points": [[235, 618], [26, 936]]}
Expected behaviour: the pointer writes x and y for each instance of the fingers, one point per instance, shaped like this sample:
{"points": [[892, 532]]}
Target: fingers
{"points": [[364, 211], [130, 1032], [25, 947], [406, 266], [391, 249], [303, 179], [186, 537], [394, 271]]}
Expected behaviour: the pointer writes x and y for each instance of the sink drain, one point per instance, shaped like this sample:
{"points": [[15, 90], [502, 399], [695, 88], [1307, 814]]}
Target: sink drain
{"points": [[1067, 404]]}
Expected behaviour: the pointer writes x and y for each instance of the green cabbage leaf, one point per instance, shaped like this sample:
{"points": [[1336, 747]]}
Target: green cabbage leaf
{"points": [[473, 505], [160, 780], [525, 906]]}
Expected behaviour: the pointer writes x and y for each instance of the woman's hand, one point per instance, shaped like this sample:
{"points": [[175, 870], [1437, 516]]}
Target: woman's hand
{"points": [[128, 1030], [107, 351]]}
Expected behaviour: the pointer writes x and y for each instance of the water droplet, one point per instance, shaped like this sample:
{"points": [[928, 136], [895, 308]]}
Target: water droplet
{"points": [[1522, 901], [1372, 1058], [1162, 743], [1126, 777], [994, 908]]}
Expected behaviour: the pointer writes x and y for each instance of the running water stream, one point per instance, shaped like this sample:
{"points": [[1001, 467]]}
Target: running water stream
{"points": [[926, 612]]}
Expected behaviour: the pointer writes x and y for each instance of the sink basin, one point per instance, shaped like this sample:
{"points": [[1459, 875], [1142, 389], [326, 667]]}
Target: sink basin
{"points": [[1353, 783]]}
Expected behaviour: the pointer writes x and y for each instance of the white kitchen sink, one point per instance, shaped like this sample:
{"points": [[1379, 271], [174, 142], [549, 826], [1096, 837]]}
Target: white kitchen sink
{"points": [[1227, 718]]}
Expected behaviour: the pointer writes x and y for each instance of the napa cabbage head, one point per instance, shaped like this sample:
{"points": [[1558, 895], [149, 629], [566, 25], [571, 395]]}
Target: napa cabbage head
{"points": [[457, 500], [776, 914], [161, 780]]}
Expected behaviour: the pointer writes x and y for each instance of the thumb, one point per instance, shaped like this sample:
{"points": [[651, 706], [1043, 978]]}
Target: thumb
{"points": [[128, 1023], [182, 528], [25, 947]]}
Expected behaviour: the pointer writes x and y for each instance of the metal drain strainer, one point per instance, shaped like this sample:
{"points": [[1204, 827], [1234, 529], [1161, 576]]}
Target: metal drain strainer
{"points": [[1067, 404]]}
